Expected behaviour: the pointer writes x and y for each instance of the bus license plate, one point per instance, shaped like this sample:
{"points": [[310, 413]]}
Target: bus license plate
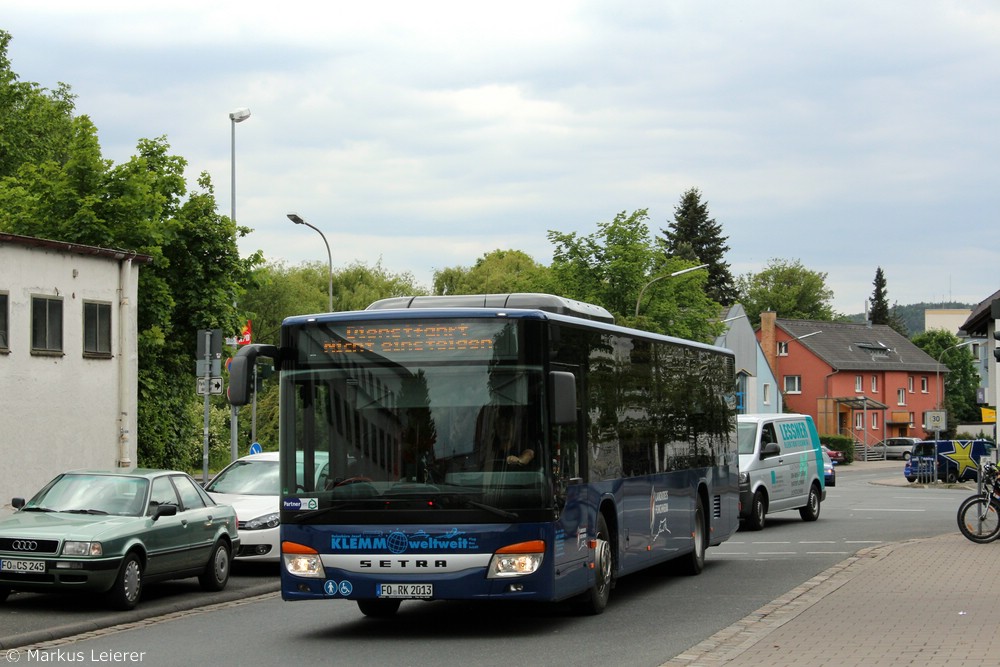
{"points": [[405, 590], [19, 565]]}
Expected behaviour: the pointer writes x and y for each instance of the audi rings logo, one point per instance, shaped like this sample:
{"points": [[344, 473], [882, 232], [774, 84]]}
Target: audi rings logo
{"points": [[24, 545]]}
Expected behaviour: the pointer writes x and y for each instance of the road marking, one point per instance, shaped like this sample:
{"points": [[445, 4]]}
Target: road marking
{"points": [[887, 509]]}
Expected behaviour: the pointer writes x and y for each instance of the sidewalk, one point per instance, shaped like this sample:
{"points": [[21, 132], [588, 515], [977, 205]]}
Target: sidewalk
{"points": [[876, 608]]}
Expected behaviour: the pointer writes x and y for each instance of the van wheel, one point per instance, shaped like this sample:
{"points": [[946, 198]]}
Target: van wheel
{"points": [[811, 510], [758, 510]]}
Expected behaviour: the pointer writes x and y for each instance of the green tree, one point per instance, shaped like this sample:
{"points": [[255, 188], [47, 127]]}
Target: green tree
{"points": [[35, 123], [878, 311], [497, 272], [619, 262], [787, 288], [962, 378], [694, 235]]}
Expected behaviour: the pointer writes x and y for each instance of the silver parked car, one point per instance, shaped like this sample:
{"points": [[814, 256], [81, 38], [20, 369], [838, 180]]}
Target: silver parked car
{"points": [[897, 448]]}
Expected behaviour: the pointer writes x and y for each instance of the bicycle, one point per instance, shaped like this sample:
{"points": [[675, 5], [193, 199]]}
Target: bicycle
{"points": [[979, 515]]}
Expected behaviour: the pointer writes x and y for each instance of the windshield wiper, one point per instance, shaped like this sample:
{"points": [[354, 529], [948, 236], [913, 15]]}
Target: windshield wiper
{"points": [[37, 509], [90, 511], [469, 502]]}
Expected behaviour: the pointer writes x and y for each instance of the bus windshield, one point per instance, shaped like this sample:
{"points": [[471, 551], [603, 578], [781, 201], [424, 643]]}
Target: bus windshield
{"points": [[420, 416]]}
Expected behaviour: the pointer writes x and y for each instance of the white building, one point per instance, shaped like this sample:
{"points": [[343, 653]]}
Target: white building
{"points": [[68, 360]]}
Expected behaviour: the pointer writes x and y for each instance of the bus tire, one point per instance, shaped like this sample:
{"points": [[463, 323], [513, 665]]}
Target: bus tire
{"points": [[810, 511], [758, 511], [379, 608], [693, 563], [595, 599]]}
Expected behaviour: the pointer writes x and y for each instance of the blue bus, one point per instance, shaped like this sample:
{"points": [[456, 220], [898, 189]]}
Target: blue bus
{"points": [[493, 447]]}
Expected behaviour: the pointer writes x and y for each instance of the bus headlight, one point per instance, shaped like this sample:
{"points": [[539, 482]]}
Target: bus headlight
{"points": [[517, 560], [302, 561]]}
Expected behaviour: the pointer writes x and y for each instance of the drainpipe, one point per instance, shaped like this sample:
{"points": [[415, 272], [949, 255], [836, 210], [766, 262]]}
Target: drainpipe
{"points": [[126, 398]]}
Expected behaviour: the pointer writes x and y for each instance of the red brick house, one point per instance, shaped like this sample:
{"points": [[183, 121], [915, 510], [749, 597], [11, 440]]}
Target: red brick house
{"points": [[865, 381]]}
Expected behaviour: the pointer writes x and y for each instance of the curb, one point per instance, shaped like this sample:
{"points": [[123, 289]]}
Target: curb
{"points": [[109, 623]]}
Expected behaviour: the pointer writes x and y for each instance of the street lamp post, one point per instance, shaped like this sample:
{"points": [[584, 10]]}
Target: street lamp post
{"points": [[294, 217], [666, 275], [237, 116]]}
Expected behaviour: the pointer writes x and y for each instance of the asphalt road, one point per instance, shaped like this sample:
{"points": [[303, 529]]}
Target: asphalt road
{"points": [[652, 617]]}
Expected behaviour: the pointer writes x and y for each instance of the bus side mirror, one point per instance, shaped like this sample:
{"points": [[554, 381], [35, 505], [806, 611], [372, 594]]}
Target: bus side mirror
{"points": [[241, 372], [562, 397]]}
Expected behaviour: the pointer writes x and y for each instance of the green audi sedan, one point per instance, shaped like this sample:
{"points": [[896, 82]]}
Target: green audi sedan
{"points": [[111, 533]]}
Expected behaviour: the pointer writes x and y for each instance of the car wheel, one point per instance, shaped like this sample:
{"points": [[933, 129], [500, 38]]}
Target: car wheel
{"points": [[216, 574], [906, 456], [124, 594]]}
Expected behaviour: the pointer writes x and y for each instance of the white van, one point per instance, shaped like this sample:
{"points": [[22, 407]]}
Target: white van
{"points": [[781, 467]]}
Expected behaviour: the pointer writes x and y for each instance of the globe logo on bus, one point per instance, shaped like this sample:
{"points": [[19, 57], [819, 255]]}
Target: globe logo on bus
{"points": [[397, 542]]}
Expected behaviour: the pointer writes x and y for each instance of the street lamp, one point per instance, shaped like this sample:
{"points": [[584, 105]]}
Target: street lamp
{"points": [[294, 217], [667, 275], [237, 116]]}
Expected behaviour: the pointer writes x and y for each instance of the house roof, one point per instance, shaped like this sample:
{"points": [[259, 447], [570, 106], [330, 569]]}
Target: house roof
{"points": [[74, 248], [979, 321], [848, 346]]}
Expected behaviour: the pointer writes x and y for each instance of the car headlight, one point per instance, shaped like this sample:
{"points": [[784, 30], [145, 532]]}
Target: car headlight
{"points": [[73, 548], [272, 520], [517, 560], [744, 478]]}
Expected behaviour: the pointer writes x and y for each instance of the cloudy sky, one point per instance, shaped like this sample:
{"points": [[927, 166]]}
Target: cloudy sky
{"points": [[847, 135]]}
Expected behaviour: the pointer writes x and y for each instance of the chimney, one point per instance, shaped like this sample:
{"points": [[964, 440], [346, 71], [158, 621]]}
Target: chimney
{"points": [[767, 340]]}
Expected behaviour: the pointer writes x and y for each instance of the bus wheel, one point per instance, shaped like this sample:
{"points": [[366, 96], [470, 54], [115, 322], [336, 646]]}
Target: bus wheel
{"points": [[811, 510], [596, 599], [758, 510], [378, 608], [694, 562]]}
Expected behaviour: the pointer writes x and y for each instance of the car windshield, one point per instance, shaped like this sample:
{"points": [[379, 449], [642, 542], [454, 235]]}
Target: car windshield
{"points": [[82, 493], [251, 478]]}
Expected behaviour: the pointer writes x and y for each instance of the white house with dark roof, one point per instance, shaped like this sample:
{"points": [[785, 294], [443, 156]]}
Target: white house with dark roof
{"points": [[68, 359]]}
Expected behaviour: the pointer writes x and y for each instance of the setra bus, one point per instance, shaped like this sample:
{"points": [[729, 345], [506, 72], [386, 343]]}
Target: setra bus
{"points": [[493, 447]]}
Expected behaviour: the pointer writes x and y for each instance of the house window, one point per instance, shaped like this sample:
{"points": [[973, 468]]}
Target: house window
{"points": [[923, 384], [765, 393], [859, 421], [909, 384], [46, 324], [874, 421], [96, 329], [901, 397], [874, 384], [793, 384], [783, 348], [859, 385], [4, 319]]}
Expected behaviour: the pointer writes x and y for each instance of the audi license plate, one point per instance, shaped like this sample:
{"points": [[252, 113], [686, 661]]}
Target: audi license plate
{"points": [[421, 591], [20, 565]]}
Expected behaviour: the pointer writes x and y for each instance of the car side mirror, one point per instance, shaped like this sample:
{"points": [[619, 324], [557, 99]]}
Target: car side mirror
{"points": [[164, 510], [769, 449]]}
